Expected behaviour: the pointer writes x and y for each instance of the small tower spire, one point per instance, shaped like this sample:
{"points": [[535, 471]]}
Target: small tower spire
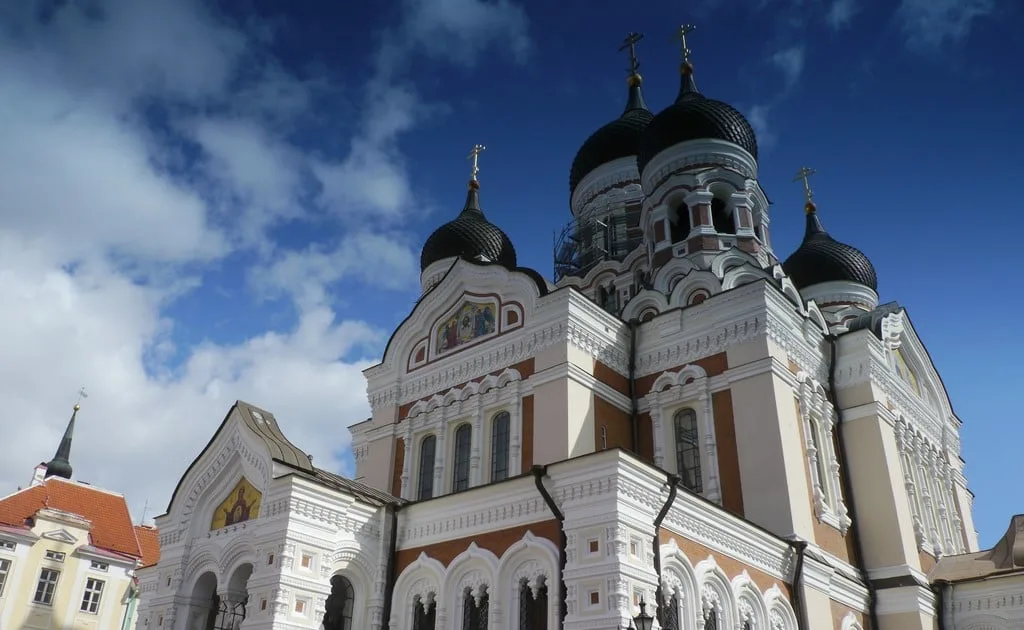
{"points": [[60, 465], [686, 83], [636, 97], [814, 225], [473, 196]]}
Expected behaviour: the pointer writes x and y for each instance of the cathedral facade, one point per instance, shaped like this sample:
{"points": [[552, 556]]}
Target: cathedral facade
{"points": [[681, 424]]}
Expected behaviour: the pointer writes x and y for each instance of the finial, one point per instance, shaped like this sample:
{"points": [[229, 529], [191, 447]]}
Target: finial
{"points": [[634, 64], [804, 174], [685, 30], [474, 156], [81, 395]]}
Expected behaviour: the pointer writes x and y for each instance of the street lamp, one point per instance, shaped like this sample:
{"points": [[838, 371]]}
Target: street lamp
{"points": [[643, 621]]}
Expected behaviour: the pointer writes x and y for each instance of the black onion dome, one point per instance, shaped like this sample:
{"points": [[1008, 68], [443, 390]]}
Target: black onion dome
{"points": [[821, 258], [618, 139], [695, 117], [470, 236]]}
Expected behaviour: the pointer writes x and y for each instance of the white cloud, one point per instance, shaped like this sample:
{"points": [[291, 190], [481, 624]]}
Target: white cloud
{"points": [[840, 13], [757, 116], [928, 24], [790, 62], [108, 219]]}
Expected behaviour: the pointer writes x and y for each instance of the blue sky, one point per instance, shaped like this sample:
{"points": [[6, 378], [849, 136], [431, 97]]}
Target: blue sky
{"points": [[203, 202]]}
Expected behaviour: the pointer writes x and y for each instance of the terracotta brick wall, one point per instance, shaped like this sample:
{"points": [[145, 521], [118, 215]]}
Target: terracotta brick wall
{"points": [[497, 542]]}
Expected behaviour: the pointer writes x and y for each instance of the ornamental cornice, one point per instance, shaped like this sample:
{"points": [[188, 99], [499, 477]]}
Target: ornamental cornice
{"points": [[686, 155]]}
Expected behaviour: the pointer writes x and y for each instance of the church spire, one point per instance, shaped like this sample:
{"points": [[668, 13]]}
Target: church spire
{"points": [[687, 86], [636, 97], [473, 196], [60, 465]]}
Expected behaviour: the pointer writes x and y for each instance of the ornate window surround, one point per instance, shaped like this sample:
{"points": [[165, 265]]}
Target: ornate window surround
{"points": [[672, 391], [929, 480], [818, 419], [476, 403]]}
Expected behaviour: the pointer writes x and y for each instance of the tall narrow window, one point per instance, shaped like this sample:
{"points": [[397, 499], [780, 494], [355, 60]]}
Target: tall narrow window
{"points": [[91, 597], [820, 457], [474, 613], [747, 626], [46, 586], [339, 605], [427, 467], [5, 568], [711, 621], [533, 609], [499, 446], [721, 218], [680, 225], [463, 443], [423, 617], [688, 449], [671, 615]]}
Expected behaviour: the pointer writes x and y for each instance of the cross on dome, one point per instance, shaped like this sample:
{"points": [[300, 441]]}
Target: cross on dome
{"points": [[630, 43], [680, 37], [474, 155]]}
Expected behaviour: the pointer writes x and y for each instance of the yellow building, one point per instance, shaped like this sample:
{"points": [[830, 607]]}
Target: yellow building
{"points": [[69, 552]]}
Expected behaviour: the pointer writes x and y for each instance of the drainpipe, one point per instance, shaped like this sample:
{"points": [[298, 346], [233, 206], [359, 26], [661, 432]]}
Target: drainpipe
{"points": [[800, 546], [940, 589], [389, 583], [634, 423], [673, 487], [539, 472], [844, 470]]}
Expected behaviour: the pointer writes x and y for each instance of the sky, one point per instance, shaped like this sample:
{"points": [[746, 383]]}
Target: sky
{"points": [[202, 202]]}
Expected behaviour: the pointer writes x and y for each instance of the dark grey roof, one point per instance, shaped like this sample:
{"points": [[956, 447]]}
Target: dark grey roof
{"points": [[618, 139], [821, 258], [364, 492], [470, 236], [264, 425], [873, 320], [695, 117]]}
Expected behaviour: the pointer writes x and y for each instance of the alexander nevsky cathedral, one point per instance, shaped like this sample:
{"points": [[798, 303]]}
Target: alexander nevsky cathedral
{"points": [[683, 428]]}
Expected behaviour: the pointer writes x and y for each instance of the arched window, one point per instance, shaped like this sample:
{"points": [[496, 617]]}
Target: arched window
{"points": [[460, 472], [688, 449], [427, 452], [722, 219], [671, 614], [747, 626], [423, 618], [680, 225], [474, 613], [339, 605], [711, 621], [499, 446], [533, 610]]}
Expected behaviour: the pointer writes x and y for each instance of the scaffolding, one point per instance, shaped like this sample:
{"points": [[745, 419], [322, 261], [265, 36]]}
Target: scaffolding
{"points": [[585, 243]]}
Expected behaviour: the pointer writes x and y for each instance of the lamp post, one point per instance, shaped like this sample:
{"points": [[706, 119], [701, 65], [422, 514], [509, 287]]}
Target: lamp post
{"points": [[643, 621]]}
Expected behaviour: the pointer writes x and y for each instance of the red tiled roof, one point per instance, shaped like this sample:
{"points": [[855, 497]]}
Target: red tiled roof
{"points": [[112, 526], [149, 542]]}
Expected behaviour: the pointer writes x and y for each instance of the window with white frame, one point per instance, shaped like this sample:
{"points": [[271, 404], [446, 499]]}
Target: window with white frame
{"points": [[56, 556], [5, 569], [428, 448], [818, 420], [99, 566], [462, 447], [682, 419], [928, 479], [500, 425], [6, 545], [46, 587], [687, 442], [91, 597]]}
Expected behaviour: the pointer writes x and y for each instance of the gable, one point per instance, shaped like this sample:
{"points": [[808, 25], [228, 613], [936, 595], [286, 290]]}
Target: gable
{"points": [[472, 304], [246, 445], [60, 535]]}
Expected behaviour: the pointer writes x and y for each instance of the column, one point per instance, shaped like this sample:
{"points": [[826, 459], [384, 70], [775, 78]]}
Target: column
{"points": [[407, 459], [699, 202], [477, 443], [515, 459], [438, 420], [712, 489]]}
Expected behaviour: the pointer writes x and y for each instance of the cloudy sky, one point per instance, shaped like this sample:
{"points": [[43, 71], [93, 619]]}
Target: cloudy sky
{"points": [[201, 202]]}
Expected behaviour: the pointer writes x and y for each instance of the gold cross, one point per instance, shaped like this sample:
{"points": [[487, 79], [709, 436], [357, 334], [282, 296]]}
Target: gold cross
{"points": [[805, 174], [475, 155], [630, 43], [81, 395], [685, 30]]}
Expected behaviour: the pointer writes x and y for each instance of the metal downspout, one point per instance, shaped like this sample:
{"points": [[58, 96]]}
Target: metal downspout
{"points": [[673, 488], [539, 472]]}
